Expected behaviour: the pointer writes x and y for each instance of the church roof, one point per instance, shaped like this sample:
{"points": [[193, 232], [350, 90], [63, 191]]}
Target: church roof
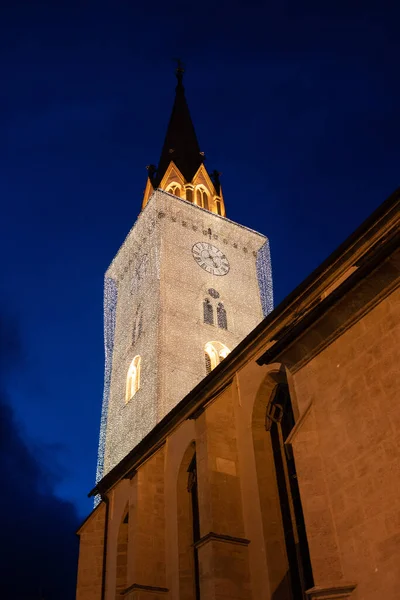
{"points": [[180, 145]]}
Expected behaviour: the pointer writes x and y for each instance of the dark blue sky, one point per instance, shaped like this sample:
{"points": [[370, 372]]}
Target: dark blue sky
{"points": [[296, 103]]}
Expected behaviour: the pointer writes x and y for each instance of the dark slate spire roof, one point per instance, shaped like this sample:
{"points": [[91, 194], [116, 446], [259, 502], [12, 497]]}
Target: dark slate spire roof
{"points": [[180, 143]]}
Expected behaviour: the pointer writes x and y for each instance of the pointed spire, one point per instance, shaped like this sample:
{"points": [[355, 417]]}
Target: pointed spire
{"points": [[180, 143]]}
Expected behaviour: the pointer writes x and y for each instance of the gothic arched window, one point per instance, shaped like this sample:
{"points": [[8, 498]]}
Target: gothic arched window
{"points": [[221, 316], [201, 197], [208, 312], [218, 206], [133, 378], [175, 189], [214, 352], [189, 194]]}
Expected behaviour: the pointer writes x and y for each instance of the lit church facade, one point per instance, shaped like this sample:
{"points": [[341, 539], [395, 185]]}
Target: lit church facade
{"points": [[245, 452], [184, 289]]}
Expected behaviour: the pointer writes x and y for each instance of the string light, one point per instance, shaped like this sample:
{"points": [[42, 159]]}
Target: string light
{"points": [[171, 364], [264, 276], [110, 309]]}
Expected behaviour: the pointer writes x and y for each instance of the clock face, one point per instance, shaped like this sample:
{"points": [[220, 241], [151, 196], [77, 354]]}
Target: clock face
{"points": [[210, 258]]}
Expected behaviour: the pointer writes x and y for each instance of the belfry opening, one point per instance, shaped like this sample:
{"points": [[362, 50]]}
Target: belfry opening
{"points": [[181, 167]]}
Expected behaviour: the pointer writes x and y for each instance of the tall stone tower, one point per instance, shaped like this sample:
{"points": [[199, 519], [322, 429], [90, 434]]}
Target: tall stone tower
{"points": [[184, 289]]}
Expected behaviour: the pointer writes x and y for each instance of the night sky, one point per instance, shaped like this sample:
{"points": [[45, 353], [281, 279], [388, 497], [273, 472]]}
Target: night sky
{"points": [[297, 104]]}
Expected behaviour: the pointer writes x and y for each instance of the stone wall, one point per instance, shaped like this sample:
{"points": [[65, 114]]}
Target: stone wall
{"points": [[347, 453], [223, 552], [346, 447], [147, 529], [90, 564]]}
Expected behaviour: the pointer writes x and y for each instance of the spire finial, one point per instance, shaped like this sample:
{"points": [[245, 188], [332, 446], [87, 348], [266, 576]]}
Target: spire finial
{"points": [[179, 70], [180, 144]]}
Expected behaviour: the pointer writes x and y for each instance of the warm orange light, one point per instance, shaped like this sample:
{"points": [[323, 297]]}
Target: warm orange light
{"points": [[216, 352], [133, 378]]}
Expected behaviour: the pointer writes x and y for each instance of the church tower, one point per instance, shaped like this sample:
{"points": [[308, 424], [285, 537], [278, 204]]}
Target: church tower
{"points": [[185, 288]]}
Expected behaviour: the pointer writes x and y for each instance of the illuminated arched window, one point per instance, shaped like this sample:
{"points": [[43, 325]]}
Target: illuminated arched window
{"points": [[218, 206], [133, 379], [189, 194], [221, 316], [208, 312], [214, 352], [175, 189], [201, 197]]}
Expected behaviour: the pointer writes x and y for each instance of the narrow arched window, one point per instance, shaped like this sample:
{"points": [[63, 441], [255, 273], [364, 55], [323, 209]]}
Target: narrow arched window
{"points": [[218, 206], [189, 194], [221, 316], [201, 197], [188, 527], [133, 378], [216, 351], [208, 312], [174, 189]]}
